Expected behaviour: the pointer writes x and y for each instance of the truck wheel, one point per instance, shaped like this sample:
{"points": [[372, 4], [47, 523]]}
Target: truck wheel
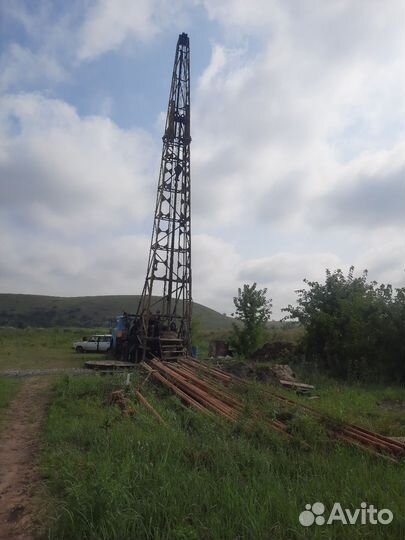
{"points": [[79, 349]]}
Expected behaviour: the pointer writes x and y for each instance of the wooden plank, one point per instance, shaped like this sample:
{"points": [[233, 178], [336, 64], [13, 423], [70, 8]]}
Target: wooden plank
{"points": [[293, 384], [108, 364]]}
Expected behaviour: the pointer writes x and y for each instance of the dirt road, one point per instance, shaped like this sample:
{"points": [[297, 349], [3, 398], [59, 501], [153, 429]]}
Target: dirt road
{"points": [[19, 450]]}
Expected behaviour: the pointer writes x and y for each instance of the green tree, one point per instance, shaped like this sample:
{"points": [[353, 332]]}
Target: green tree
{"points": [[354, 328], [253, 310]]}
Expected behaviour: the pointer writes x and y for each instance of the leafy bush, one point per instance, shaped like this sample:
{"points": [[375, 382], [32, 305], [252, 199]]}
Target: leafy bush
{"points": [[354, 328]]}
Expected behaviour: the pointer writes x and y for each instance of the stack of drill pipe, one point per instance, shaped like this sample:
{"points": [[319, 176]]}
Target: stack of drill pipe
{"points": [[217, 373], [182, 395], [209, 401], [207, 395], [221, 394], [276, 424], [358, 436], [351, 433], [375, 440], [213, 389]]}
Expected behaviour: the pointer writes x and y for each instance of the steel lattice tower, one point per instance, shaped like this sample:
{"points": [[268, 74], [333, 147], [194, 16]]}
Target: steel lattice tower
{"points": [[169, 265]]}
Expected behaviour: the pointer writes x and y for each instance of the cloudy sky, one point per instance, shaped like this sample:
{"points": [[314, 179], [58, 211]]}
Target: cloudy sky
{"points": [[298, 152]]}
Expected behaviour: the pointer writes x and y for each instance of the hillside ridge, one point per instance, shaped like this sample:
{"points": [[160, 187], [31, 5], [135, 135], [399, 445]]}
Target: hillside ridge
{"points": [[36, 310]]}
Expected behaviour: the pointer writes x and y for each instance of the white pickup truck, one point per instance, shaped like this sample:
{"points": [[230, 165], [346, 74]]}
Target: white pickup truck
{"points": [[97, 343]]}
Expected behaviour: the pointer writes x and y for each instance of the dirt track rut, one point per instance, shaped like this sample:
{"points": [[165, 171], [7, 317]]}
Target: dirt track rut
{"points": [[19, 452]]}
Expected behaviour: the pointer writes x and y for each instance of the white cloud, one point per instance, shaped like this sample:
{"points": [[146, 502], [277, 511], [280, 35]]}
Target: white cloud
{"points": [[108, 264], [44, 55], [383, 255], [218, 62], [109, 23], [215, 265], [63, 36], [298, 138], [249, 15], [305, 139], [65, 173], [369, 193], [290, 112], [20, 66], [283, 273]]}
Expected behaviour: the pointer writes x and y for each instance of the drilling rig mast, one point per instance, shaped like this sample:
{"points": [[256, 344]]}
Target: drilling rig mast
{"points": [[165, 305]]}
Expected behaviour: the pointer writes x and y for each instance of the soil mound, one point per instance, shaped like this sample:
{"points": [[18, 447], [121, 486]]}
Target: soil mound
{"points": [[275, 350]]}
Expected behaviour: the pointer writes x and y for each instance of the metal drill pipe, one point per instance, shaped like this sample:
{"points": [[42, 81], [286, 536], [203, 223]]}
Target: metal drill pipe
{"points": [[176, 390], [397, 444], [349, 431], [223, 376], [370, 439], [196, 392], [216, 405], [180, 379], [367, 449], [227, 398], [275, 424], [143, 400]]}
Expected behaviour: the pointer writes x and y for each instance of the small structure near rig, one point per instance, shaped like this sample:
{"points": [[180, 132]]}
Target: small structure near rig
{"points": [[219, 349]]}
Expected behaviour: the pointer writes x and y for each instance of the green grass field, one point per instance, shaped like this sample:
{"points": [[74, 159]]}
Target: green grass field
{"points": [[115, 477], [37, 348], [106, 476]]}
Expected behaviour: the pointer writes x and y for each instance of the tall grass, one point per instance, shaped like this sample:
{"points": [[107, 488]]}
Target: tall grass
{"points": [[115, 477], [377, 407], [8, 390]]}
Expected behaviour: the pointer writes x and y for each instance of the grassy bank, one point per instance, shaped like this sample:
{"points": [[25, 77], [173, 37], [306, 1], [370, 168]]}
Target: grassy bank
{"points": [[116, 477]]}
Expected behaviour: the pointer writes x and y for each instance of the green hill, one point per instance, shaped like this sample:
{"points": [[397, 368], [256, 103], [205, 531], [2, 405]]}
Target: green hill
{"points": [[23, 310]]}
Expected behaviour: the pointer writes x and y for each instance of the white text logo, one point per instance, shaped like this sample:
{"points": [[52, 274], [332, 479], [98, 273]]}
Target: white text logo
{"points": [[366, 514]]}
